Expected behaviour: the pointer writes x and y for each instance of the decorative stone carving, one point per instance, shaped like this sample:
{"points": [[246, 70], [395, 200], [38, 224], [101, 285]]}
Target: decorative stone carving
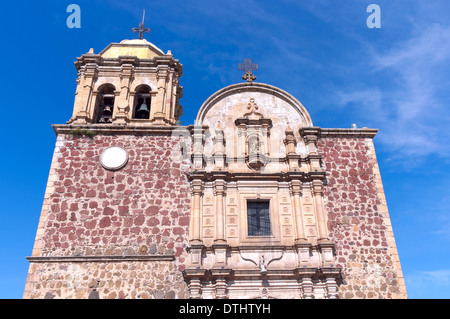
{"points": [[131, 61], [255, 132], [294, 196], [251, 142]]}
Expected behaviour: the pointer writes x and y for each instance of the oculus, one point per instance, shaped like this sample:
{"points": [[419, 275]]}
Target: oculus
{"points": [[114, 158]]}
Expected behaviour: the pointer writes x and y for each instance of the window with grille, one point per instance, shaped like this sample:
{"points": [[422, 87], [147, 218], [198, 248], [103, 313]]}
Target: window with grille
{"points": [[258, 218]]}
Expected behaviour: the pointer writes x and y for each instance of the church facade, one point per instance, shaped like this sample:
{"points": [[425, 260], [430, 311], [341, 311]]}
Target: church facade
{"points": [[251, 201]]}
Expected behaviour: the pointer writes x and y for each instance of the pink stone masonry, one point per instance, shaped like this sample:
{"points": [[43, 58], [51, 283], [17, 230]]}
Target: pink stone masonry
{"points": [[142, 209], [355, 221]]}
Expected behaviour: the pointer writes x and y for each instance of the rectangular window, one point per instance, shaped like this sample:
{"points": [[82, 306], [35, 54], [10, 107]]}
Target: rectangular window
{"points": [[258, 218]]}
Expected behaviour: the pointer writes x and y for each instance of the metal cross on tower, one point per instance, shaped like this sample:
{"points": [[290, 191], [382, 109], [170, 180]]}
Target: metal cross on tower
{"points": [[248, 67], [141, 30]]}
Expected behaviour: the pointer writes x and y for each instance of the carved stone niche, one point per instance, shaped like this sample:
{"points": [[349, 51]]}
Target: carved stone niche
{"points": [[254, 136]]}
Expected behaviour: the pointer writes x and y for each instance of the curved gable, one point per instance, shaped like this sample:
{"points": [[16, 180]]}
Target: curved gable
{"points": [[230, 103], [245, 102]]}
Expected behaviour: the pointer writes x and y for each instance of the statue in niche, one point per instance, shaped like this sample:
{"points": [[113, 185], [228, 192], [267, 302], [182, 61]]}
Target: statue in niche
{"points": [[255, 158], [254, 146]]}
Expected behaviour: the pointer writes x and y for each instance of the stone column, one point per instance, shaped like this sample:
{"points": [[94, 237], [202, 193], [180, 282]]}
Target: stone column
{"points": [[173, 104], [242, 133], [85, 86], [197, 191], [169, 93], [197, 151], [311, 141], [290, 142], [81, 114], [220, 244], [219, 151], [196, 246], [320, 214], [265, 143], [219, 189], [91, 108], [310, 136], [157, 114], [122, 100], [291, 154], [298, 215]]}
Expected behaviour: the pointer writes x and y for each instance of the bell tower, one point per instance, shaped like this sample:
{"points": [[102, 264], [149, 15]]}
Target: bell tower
{"points": [[128, 83], [115, 216]]}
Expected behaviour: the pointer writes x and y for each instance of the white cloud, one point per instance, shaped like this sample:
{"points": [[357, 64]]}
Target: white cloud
{"points": [[411, 109], [428, 284]]}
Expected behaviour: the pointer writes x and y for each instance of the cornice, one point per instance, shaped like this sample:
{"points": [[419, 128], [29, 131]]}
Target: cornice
{"points": [[155, 62], [235, 176], [310, 131], [63, 259], [348, 132], [108, 129]]}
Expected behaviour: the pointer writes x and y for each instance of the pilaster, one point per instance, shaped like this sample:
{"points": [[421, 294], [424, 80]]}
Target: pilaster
{"points": [[291, 155], [197, 193], [219, 192], [298, 214], [197, 151], [219, 148], [87, 77], [319, 209]]}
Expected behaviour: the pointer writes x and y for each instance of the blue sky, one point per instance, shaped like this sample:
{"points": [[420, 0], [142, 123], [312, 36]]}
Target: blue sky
{"points": [[395, 78]]}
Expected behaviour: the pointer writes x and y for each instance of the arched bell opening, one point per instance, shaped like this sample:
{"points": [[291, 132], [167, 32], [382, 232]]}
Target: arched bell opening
{"points": [[142, 102], [105, 103]]}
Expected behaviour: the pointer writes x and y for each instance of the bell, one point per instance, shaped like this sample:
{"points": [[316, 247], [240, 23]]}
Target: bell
{"points": [[107, 111], [143, 111], [106, 116]]}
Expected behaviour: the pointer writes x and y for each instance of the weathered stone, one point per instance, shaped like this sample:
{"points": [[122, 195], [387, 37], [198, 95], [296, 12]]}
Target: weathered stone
{"points": [[327, 206], [158, 294], [94, 295]]}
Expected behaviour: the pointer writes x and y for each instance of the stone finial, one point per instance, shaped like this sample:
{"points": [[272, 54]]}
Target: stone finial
{"points": [[252, 107]]}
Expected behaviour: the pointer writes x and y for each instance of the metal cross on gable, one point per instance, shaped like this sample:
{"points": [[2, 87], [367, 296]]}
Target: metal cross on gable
{"points": [[141, 30], [248, 67]]}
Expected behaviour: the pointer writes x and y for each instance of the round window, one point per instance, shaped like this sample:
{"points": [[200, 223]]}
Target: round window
{"points": [[114, 158]]}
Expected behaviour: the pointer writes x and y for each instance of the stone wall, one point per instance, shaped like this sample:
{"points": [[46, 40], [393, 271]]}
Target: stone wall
{"points": [[141, 210], [123, 234], [106, 280], [358, 220]]}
